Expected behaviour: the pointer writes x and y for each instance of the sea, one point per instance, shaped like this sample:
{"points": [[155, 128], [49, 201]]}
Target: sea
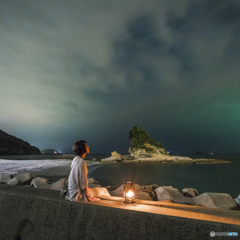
{"points": [[217, 178]]}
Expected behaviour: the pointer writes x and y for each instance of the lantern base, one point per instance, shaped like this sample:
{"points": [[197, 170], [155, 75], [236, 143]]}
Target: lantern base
{"points": [[127, 201]]}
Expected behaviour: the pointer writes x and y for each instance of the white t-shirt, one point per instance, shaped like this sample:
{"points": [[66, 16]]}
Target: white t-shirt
{"points": [[77, 180]]}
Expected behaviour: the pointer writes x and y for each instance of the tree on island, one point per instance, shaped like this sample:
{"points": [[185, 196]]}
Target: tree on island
{"points": [[140, 139]]}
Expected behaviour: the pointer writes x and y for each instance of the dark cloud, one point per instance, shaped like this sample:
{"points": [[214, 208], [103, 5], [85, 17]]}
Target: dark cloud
{"points": [[92, 71]]}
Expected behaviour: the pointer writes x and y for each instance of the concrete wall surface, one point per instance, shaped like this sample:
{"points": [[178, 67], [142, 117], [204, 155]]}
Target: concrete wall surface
{"points": [[29, 213]]}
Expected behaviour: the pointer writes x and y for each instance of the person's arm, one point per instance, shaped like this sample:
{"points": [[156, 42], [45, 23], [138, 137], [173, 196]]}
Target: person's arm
{"points": [[89, 198], [84, 182]]}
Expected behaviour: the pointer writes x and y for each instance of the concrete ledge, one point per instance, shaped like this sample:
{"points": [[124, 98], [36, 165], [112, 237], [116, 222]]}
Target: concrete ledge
{"points": [[29, 213]]}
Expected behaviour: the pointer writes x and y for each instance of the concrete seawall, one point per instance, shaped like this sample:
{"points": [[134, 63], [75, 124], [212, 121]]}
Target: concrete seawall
{"points": [[28, 213]]}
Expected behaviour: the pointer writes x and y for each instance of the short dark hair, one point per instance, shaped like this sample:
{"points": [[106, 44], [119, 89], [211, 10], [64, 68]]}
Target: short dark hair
{"points": [[79, 147]]}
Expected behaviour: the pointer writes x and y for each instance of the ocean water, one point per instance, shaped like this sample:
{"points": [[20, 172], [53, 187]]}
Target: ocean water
{"points": [[219, 178]]}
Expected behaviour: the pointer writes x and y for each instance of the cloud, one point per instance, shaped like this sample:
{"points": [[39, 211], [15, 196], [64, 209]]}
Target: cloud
{"points": [[84, 68]]}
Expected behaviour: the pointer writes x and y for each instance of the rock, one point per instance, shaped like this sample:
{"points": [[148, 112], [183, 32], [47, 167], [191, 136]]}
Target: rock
{"points": [[24, 178], [10, 145], [58, 185], [143, 146], [215, 200], [170, 193], [237, 208], [150, 189], [13, 182], [117, 192], [5, 177], [190, 192], [152, 186], [237, 200], [98, 192], [151, 193], [39, 182], [111, 188], [92, 181], [115, 157], [147, 151], [139, 194], [127, 157]]}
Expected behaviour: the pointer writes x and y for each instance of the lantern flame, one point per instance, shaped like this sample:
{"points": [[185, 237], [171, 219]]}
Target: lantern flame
{"points": [[130, 194]]}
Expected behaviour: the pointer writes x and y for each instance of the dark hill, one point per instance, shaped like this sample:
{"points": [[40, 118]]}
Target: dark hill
{"points": [[10, 145]]}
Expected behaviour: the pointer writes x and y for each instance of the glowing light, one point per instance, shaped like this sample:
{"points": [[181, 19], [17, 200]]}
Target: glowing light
{"points": [[130, 194]]}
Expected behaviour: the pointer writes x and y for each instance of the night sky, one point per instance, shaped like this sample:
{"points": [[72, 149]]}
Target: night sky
{"points": [[93, 70]]}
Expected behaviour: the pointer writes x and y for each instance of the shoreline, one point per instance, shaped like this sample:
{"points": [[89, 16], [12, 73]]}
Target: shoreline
{"points": [[162, 159], [194, 161], [99, 160]]}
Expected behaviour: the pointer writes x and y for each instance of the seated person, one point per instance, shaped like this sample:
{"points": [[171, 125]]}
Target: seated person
{"points": [[78, 189]]}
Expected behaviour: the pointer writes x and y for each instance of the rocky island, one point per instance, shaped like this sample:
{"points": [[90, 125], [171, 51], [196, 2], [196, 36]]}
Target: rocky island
{"points": [[143, 149]]}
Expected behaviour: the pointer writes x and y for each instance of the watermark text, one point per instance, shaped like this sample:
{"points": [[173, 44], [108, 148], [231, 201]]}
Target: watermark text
{"points": [[221, 234]]}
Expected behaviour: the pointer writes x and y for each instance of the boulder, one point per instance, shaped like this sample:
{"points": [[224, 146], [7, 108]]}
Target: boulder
{"points": [[139, 194], [170, 193], [237, 200], [152, 186], [215, 200], [111, 188], [13, 182], [150, 189], [94, 185], [58, 185], [5, 177], [98, 192], [92, 181], [24, 178], [190, 192], [39, 182], [151, 193]]}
